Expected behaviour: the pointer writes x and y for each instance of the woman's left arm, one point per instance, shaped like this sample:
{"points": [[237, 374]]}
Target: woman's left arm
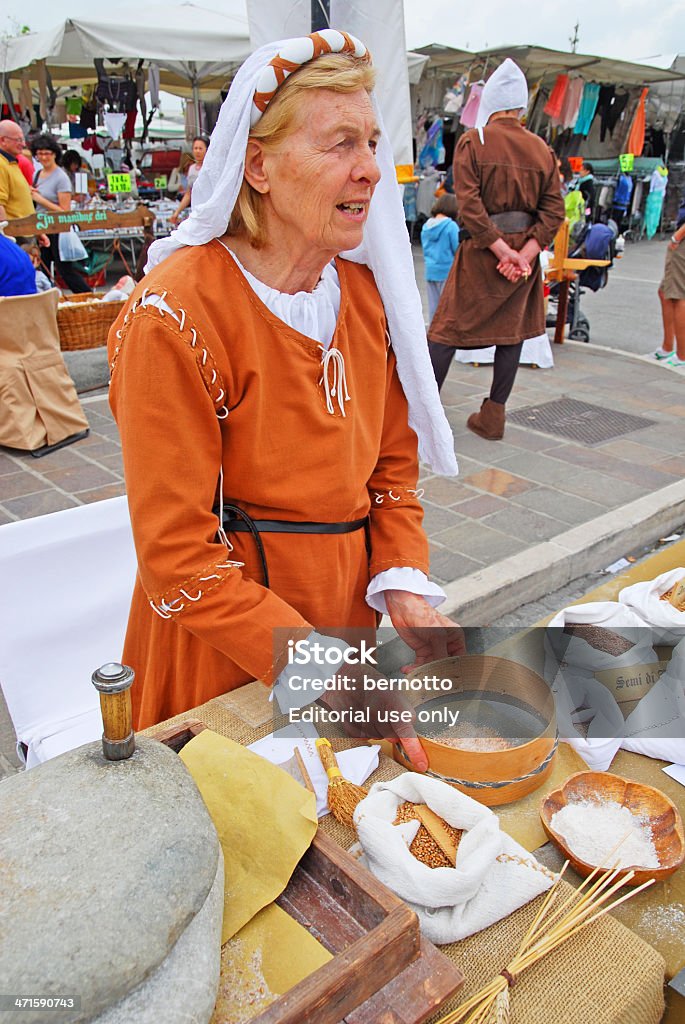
{"points": [[62, 206]]}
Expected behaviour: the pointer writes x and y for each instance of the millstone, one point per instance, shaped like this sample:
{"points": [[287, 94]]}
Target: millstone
{"points": [[105, 868]]}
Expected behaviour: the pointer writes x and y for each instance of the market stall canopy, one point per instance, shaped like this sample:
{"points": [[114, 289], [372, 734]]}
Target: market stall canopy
{"points": [[538, 61], [190, 43]]}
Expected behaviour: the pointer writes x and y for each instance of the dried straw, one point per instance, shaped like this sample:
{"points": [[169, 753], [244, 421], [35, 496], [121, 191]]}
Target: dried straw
{"points": [[552, 925]]}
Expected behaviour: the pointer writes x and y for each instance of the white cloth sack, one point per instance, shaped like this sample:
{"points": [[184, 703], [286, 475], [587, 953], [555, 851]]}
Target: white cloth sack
{"points": [[493, 875], [668, 624], [656, 728], [570, 666]]}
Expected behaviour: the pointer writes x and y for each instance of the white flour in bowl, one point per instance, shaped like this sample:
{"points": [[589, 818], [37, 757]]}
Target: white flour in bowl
{"points": [[592, 830]]}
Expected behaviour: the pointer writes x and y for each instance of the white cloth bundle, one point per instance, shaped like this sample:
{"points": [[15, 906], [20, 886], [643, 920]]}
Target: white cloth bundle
{"points": [[667, 623], [492, 877], [656, 725]]}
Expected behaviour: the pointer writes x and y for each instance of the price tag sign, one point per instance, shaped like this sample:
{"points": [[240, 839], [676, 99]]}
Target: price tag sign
{"points": [[119, 182], [626, 161], [161, 181]]}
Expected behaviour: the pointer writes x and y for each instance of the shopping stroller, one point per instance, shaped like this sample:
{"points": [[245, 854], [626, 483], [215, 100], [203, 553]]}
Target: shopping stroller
{"points": [[592, 242]]}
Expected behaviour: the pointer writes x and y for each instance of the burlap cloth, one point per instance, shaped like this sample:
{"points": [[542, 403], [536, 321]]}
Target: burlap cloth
{"points": [[605, 975]]}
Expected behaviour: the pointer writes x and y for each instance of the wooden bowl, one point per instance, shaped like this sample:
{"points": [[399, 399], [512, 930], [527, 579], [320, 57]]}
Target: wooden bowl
{"points": [[498, 776], [645, 801]]}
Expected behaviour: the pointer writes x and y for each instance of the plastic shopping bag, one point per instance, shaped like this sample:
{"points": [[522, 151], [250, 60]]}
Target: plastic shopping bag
{"points": [[71, 248]]}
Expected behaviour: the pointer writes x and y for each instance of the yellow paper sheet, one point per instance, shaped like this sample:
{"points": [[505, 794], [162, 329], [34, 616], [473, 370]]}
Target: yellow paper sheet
{"points": [[267, 957], [265, 821]]}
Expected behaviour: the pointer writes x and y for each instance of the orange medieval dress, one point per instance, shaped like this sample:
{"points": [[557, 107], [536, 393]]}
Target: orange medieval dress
{"points": [[223, 385]]}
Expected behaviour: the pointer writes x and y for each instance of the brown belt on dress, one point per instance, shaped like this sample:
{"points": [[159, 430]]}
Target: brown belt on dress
{"points": [[508, 222]]}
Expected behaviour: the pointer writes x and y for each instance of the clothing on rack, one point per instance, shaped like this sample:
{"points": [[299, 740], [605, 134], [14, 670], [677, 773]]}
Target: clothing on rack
{"points": [[433, 153], [153, 84], [470, 111], [556, 99], [588, 107], [636, 139], [114, 123], [610, 106], [571, 105]]}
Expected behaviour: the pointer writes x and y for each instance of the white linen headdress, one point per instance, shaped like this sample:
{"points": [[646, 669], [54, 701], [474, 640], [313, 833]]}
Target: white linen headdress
{"points": [[386, 248], [505, 89]]}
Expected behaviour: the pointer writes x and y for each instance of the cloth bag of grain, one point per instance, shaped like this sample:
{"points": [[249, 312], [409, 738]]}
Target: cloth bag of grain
{"points": [[492, 877], [656, 728], [647, 601], [600, 636]]}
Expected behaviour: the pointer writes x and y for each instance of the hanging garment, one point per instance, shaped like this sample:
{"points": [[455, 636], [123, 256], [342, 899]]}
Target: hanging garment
{"points": [[610, 107], [637, 198], [571, 104], [42, 76], [636, 139], [114, 124], [653, 208], [153, 84], [76, 130], [623, 193], [130, 125], [556, 98], [588, 106], [470, 111], [433, 153], [74, 106], [26, 98]]}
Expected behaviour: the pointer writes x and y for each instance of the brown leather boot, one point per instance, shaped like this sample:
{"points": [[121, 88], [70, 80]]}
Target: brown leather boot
{"points": [[489, 422]]}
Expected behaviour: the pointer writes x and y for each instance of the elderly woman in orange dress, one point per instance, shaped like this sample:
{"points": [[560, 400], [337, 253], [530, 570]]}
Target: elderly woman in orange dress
{"points": [[272, 386]]}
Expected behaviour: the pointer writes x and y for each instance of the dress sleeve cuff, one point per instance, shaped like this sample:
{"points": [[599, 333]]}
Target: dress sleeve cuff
{"points": [[402, 578], [296, 686]]}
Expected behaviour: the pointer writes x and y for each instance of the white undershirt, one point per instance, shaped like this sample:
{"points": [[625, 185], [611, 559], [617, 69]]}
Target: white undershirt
{"points": [[315, 315]]}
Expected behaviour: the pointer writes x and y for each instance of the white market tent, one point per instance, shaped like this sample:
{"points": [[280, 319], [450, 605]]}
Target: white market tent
{"points": [[539, 61], [213, 44]]}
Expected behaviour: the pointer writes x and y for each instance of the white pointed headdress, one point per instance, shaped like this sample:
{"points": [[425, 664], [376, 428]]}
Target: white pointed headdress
{"points": [[386, 248]]}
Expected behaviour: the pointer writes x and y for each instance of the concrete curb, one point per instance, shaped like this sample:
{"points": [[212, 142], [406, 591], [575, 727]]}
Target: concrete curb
{"points": [[642, 357], [501, 588]]}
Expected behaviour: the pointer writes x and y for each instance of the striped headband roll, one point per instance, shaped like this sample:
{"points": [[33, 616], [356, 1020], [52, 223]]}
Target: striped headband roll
{"points": [[296, 53]]}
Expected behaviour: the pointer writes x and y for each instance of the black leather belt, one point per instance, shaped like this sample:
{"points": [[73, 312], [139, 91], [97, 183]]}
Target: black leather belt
{"points": [[236, 520]]}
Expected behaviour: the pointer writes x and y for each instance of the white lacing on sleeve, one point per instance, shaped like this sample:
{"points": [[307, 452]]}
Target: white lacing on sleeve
{"points": [[190, 335]]}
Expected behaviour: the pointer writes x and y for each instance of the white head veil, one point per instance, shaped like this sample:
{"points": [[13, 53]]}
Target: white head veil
{"points": [[505, 89], [386, 248]]}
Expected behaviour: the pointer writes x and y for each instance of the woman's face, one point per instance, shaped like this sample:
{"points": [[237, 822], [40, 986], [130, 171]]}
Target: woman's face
{"points": [[46, 158], [199, 150], [320, 181]]}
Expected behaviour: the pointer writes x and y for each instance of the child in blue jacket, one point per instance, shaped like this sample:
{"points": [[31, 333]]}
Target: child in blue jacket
{"points": [[439, 241]]}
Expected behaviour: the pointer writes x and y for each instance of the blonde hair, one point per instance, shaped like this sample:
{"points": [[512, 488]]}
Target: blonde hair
{"points": [[337, 72]]}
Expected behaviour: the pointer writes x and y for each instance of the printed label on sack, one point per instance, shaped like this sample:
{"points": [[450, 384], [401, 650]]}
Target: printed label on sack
{"points": [[632, 682]]}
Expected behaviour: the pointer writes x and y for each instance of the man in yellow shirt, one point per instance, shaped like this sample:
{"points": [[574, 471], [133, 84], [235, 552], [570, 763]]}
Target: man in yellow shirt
{"points": [[15, 194]]}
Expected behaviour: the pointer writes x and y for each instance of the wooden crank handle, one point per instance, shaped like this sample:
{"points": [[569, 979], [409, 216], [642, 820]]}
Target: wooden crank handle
{"points": [[113, 681]]}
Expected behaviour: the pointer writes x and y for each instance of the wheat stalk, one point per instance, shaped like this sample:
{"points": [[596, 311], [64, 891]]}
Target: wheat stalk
{"points": [[550, 928]]}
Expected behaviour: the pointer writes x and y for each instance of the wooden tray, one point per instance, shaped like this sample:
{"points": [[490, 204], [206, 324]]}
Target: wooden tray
{"points": [[383, 971]]}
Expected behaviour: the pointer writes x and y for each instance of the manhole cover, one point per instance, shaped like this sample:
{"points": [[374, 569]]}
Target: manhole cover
{"points": [[578, 421]]}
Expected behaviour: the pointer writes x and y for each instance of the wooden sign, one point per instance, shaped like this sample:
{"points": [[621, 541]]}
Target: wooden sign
{"points": [[119, 183], [86, 220]]}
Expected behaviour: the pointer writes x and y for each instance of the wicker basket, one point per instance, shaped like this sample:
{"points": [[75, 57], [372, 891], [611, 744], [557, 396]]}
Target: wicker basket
{"points": [[85, 324]]}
